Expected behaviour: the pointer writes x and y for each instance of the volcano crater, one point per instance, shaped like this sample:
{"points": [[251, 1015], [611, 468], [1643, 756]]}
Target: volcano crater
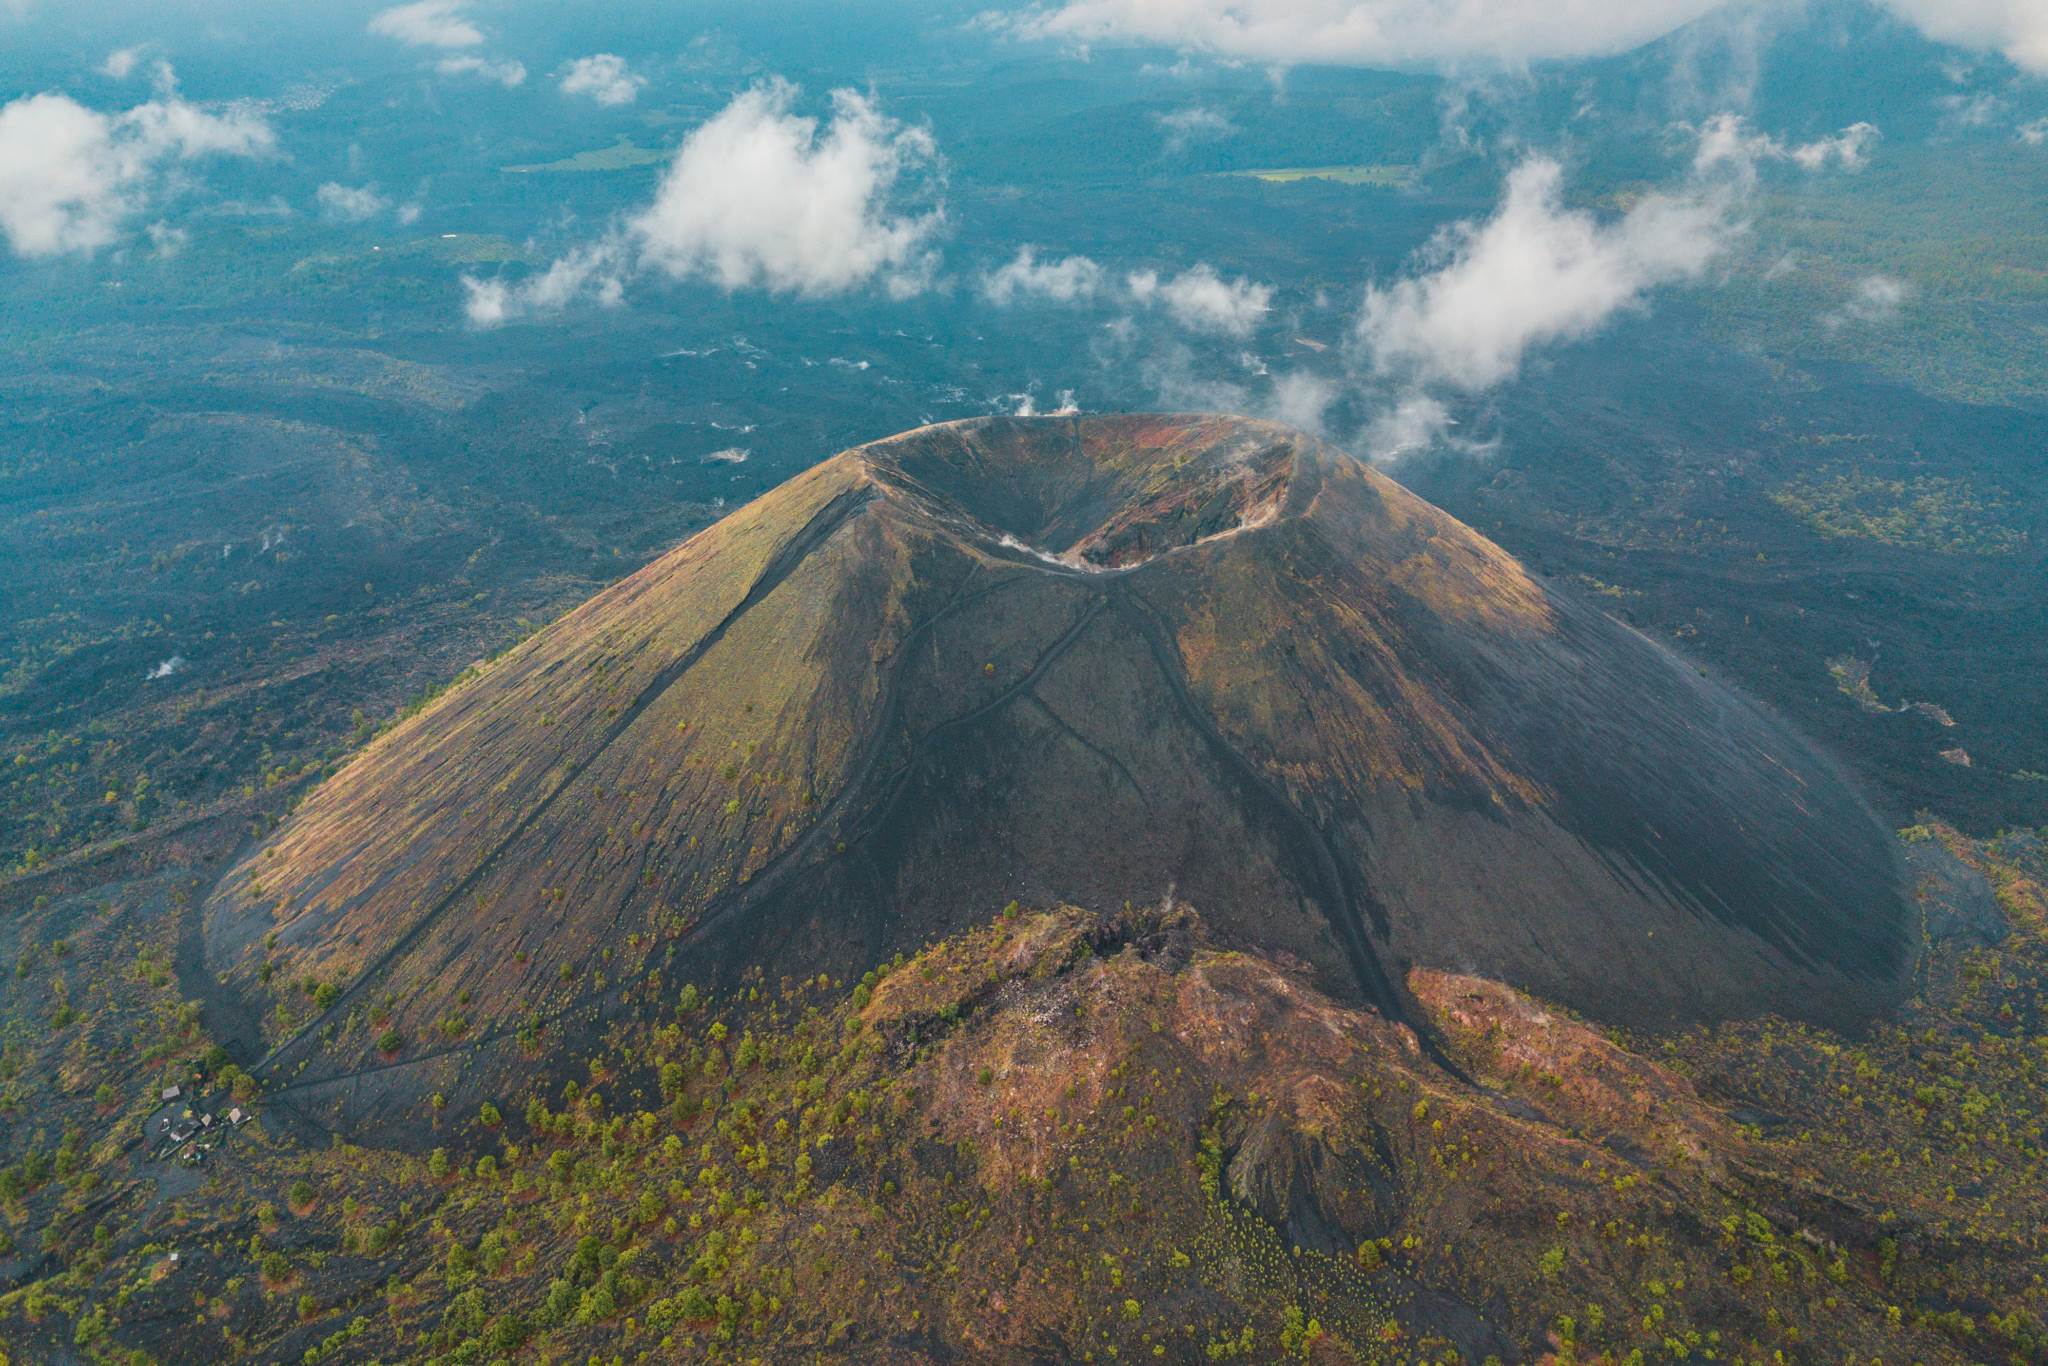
{"points": [[1088, 660]]}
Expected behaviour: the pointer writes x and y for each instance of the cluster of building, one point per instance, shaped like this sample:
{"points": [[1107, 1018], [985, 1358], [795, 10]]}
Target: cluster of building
{"points": [[189, 1134]]}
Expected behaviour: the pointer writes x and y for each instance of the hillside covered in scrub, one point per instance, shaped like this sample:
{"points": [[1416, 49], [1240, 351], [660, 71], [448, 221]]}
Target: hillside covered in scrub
{"points": [[1065, 1134]]}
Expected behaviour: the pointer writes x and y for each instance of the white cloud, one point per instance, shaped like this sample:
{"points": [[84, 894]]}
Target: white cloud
{"points": [[1877, 300], [273, 207], [1198, 298], [1849, 149], [488, 303], [427, 23], [1970, 111], [760, 197], [1415, 422], [763, 196], [592, 271], [1462, 32], [1193, 124], [1726, 140], [1067, 280], [70, 176], [504, 70], [350, 204], [1369, 32], [166, 241], [1202, 301], [2017, 28], [1483, 295], [121, 63], [604, 78], [1300, 399], [2033, 134], [1535, 272], [442, 24]]}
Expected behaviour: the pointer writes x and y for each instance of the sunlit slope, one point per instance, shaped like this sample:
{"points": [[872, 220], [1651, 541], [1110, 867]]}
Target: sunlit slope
{"points": [[1092, 660]]}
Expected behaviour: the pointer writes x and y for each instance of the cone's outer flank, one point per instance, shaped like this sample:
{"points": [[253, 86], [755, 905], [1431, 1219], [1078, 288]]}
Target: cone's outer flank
{"points": [[1091, 660]]}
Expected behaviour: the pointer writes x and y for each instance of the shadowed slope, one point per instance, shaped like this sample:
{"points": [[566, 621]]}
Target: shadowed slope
{"points": [[1089, 660]]}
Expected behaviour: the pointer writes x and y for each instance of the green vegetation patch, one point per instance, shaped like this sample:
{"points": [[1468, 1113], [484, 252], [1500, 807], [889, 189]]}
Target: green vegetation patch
{"points": [[1970, 324], [1096, 1134], [623, 155], [1386, 176], [467, 248], [1928, 512]]}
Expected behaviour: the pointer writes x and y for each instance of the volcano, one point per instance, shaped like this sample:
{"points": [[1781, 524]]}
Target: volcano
{"points": [[1086, 660]]}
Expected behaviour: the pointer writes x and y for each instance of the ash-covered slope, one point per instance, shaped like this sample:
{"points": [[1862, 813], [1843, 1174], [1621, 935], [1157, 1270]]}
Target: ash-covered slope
{"points": [[1078, 659]]}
